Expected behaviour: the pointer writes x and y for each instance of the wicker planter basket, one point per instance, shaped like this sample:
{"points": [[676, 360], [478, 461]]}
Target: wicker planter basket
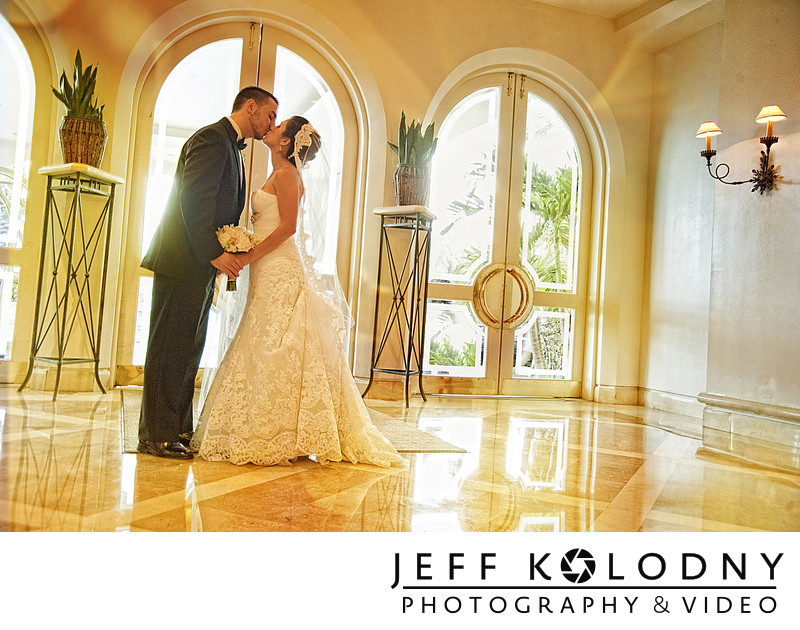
{"points": [[411, 185], [83, 140]]}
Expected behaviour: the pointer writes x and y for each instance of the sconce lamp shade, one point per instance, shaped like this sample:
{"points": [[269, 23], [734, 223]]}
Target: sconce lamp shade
{"points": [[770, 113], [708, 129]]}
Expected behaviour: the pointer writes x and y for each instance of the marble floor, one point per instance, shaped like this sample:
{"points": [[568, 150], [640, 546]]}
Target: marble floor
{"points": [[530, 465]]}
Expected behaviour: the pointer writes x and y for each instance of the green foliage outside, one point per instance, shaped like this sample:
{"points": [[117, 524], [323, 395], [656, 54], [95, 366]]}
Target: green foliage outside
{"points": [[551, 205], [547, 343], [444, 354], [547, 249]]}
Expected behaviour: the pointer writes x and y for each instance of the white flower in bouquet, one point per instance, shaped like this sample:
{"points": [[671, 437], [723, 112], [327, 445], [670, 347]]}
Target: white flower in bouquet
{"points": [[235, 238]]}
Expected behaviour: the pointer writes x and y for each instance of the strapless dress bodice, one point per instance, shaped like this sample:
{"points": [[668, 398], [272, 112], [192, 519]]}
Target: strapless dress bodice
{"points": [[264, 212]]}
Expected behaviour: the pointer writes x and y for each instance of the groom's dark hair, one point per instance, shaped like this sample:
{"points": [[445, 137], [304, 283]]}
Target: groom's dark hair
{"points": [[259, 95]]}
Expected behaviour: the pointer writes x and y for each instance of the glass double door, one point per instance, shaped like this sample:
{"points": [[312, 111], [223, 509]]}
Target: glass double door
{"points": [[194, 84], [508, 272]]}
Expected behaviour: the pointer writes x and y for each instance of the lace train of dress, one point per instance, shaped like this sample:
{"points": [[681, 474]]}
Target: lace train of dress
{"points": [[284, 388]]}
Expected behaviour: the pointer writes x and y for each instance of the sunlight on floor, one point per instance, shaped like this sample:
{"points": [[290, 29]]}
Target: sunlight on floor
{"points": [[530, 465]]}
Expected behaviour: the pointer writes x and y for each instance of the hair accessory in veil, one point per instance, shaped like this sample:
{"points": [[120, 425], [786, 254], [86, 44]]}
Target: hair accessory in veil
{"points": [[303, 140]]}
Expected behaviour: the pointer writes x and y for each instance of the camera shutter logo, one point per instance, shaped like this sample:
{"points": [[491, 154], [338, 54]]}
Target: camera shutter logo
{"points": [[578, 565]]}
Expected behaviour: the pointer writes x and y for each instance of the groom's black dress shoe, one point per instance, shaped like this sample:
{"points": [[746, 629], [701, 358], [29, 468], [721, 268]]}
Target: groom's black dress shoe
{"points": [[172, 450], [185, 439]]}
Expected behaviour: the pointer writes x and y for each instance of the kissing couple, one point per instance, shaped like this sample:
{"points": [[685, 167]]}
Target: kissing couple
{"points": [[283, 389]]}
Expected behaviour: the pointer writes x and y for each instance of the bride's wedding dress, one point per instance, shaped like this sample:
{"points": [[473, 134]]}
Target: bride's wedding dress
{"points": [[284, 388]]}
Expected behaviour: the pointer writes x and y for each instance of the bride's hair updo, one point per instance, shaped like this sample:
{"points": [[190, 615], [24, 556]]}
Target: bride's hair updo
{"points": [[305, 141]]}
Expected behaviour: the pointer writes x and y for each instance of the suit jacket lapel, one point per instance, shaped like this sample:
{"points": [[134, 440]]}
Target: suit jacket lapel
{"points": [[242, 182], [239, 162]]}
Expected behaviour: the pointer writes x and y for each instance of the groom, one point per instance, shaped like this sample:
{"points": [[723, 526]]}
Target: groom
{"points": [[208, 192]]}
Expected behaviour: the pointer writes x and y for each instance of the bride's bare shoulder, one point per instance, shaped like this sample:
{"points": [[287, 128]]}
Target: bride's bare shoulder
{"points": [[286, 180], [283, 177]]}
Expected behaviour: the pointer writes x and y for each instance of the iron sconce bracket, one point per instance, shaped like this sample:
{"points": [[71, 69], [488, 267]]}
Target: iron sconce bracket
{"points": [[764, 178]]}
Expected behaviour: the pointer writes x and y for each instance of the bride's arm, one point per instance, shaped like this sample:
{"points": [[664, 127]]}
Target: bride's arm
{"points": [[287, 190]]}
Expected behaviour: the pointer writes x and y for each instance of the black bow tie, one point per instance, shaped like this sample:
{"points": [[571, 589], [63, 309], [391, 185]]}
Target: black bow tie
{"points": [[241, 145]]}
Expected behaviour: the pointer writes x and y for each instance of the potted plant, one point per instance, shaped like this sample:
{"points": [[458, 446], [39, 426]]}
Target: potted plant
{"points": [[414, 149], [82, 131]]}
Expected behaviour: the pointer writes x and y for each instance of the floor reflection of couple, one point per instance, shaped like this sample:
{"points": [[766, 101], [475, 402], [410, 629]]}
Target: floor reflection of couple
{"points": [[283, 389], [305, 497]]}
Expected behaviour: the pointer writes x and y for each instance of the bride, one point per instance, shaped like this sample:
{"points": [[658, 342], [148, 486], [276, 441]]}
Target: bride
{"points": [[284, 389]]}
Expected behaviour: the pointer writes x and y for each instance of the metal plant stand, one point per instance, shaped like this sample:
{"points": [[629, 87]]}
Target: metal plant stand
{"points": [[408, 274], [68, 260]]}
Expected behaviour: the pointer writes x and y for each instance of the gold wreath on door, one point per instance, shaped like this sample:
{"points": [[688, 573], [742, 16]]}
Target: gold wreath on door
{"points": [[508, 270]]}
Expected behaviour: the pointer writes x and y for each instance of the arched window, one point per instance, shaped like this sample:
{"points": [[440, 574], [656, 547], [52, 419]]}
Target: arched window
{"points": [[16, 128], [204, 71]]}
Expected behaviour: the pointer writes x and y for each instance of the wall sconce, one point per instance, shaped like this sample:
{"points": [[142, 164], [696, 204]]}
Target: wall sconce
{"points": [[765, 177]]}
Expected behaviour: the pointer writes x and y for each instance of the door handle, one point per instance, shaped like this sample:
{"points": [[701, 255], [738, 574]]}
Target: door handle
{"points": [[526, 289]]}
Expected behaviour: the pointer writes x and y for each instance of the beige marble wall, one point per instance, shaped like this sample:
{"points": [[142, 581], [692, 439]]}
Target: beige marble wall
{"points": [[681, 200], [755, 281], [717, 251]]}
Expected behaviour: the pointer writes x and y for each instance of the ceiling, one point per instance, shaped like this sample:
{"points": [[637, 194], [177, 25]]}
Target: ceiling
{"points": [[653, 23], [604, 8]]}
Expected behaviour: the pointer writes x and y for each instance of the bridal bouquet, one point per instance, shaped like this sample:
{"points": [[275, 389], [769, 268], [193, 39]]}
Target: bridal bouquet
{"points": [[234, 238]]}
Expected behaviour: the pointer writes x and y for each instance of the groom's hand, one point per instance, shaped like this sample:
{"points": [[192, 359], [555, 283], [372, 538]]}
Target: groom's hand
{"points": [[229, 264]]}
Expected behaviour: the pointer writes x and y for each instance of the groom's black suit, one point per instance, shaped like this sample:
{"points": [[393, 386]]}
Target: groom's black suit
{"points": [[208, 192]]}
